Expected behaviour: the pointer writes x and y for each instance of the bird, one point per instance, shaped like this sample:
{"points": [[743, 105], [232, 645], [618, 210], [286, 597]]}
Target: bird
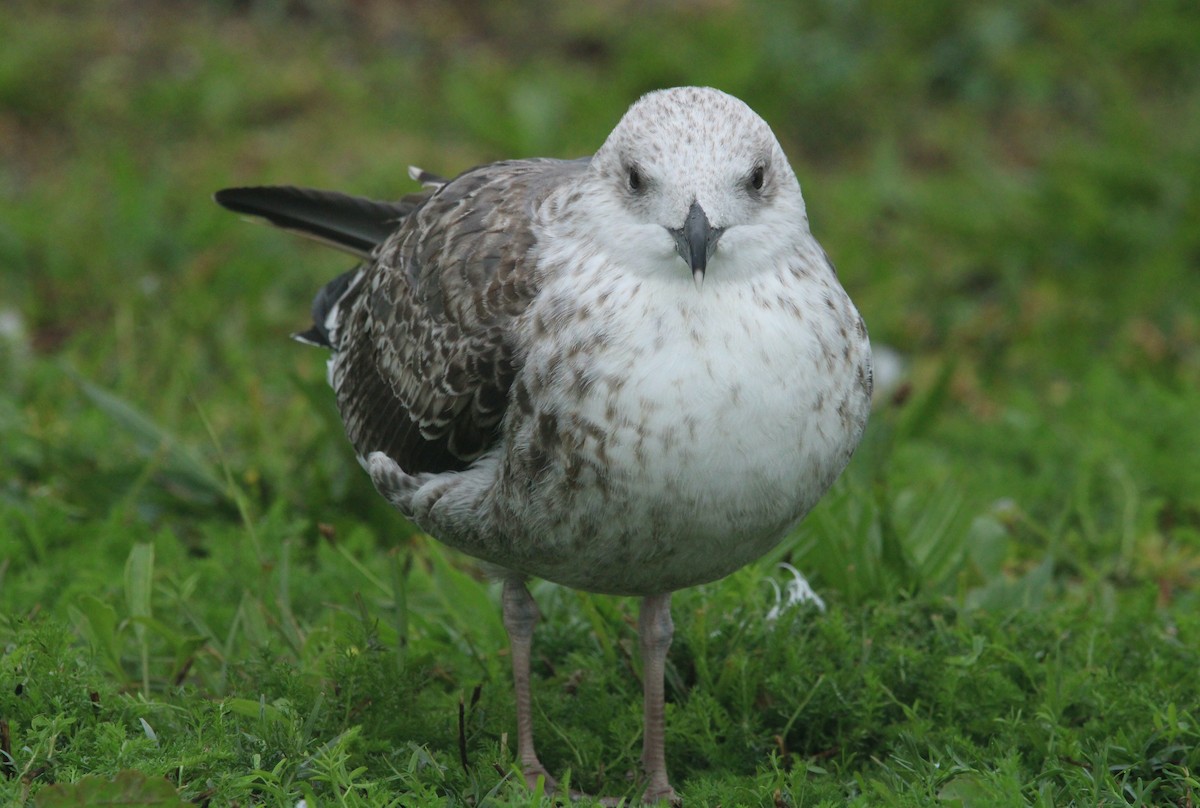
{"points": [[628, 374]]}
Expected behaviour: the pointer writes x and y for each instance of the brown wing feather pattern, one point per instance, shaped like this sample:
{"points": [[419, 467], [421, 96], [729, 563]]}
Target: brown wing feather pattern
{"points": [[423, 358]]}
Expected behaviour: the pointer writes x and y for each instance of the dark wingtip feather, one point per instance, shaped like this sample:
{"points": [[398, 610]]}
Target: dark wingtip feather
{"points": [[350, 223]]}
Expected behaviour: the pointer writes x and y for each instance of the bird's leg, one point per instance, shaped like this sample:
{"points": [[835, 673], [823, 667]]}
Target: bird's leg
{"points": [[654, 632], [520, 616]]}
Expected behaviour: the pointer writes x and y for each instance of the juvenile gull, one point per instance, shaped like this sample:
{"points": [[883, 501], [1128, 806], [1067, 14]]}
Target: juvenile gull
{"points": [[627, 374]]}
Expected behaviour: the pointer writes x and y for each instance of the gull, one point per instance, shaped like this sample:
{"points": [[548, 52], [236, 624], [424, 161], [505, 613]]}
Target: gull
{"points": [[627, 374]]}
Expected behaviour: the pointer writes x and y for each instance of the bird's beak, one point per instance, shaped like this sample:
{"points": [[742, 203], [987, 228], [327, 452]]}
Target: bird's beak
{"points": [[696, 240]]}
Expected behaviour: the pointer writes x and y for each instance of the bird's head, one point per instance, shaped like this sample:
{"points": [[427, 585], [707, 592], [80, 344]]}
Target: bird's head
{"points": [[693, 173]]}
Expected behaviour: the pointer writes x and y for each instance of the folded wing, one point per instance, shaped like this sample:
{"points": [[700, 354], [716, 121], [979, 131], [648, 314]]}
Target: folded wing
{"points": [[421, 331]]}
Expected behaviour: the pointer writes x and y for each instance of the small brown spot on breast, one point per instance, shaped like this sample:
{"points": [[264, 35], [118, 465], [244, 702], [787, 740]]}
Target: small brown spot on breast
{"points": [[689, 422], [866, 380]]}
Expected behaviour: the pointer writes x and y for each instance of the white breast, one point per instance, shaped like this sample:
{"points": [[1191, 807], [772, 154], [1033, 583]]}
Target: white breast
{"points": [[701, 424]]}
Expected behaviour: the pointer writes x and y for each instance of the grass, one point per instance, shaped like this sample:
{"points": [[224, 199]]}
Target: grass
{"points": [[203, 600]]}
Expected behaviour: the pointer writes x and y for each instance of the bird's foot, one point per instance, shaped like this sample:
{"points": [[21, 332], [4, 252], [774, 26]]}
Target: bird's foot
{"points": [[656, 795], [538, 772]]}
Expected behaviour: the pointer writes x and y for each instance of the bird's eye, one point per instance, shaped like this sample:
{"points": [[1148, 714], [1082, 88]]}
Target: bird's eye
{"points": [[635, 179], [756, 178]]}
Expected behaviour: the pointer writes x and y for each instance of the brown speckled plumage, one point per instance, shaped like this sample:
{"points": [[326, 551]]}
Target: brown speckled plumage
{"points": [[423, 357], [629, 374]]}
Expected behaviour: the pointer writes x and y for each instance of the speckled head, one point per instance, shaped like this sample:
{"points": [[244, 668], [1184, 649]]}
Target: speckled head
{"points": [[687, 167]]}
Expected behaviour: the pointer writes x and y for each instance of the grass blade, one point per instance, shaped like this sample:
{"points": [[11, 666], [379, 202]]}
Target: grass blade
{"points": [[139, 574]]}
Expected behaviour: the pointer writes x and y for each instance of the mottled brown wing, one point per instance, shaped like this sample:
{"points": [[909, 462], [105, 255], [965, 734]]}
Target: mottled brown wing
{"points": [[424, 355]]}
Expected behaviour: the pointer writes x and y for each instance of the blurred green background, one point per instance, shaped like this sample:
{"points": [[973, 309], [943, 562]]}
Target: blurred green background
{"points": [[1008, 189]]}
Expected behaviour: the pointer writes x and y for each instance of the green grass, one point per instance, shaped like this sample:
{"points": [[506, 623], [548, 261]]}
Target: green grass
{"points": [[203, 599]]}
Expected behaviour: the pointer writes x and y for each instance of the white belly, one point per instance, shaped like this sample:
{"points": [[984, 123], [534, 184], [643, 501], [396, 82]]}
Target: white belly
{"points": [[700, 426]]}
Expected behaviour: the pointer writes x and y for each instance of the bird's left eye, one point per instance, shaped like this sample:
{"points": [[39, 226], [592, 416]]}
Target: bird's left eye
{"points": [[757, 178], [635, 179]]}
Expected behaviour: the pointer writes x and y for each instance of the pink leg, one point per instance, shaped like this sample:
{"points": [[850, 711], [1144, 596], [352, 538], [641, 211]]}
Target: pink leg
{"points": [[654, 631], [520, 616]]}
